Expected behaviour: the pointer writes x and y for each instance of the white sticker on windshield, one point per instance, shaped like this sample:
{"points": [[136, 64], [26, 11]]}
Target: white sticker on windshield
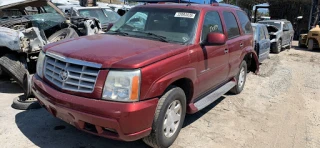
{"points": [[185, 15]]}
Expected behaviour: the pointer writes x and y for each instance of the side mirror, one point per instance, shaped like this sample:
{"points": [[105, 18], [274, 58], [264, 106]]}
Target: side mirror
{"points": [[216, 39], [109, 27]]}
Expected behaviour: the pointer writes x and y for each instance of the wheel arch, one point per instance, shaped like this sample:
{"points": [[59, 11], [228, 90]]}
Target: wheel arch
{"points": [[185, 79], [252, 60]]}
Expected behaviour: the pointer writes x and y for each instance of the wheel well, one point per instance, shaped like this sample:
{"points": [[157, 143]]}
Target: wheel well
{"points": [[4, 50], [186, 85], [251, 63]]}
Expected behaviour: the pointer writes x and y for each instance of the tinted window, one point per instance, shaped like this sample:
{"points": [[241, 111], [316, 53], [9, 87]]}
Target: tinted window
{"points": [[290, 26], [212, 23], [231, 24], [285, 26], [245, 23]]}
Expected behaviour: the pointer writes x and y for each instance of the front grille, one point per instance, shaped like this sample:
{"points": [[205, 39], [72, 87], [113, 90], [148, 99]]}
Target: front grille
{"points": [[70, 74]]}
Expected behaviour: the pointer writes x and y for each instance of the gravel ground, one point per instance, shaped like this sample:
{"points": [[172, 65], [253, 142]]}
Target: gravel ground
{"points": [[279, 108]]}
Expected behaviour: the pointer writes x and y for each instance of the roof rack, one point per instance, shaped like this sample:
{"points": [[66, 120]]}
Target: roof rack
{"points": [[228, 5], [179, 1]]}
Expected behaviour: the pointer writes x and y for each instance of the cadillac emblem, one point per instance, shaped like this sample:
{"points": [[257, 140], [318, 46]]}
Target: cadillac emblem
{"points": [[64, 74]]}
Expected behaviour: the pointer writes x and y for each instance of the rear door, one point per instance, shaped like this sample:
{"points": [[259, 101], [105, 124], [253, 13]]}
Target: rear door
{"points": [[286, 34], [264, 44]]}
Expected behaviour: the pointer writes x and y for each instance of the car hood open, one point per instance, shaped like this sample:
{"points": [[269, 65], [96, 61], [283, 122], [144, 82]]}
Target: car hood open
{"points": [[115, 51]]}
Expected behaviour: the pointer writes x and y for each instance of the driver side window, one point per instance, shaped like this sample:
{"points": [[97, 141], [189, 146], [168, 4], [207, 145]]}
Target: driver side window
{"points": [[212, 23]]}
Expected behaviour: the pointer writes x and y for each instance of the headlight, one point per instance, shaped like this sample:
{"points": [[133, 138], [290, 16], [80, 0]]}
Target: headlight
{"points": [[40, 63], [122, 86]]}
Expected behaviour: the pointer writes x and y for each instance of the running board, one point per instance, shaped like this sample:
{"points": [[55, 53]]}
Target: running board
{"points": [[207, 100]]}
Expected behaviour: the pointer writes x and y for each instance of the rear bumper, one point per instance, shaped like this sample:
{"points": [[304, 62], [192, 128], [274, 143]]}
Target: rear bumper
{"points": [[114, 120]]}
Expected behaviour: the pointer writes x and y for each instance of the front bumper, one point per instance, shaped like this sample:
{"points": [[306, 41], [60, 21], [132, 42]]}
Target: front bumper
{"points": [[114, 120]]}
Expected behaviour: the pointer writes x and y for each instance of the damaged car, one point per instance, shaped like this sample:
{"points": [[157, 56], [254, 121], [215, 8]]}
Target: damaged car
{"points": [[26, 26], [281, 34]]}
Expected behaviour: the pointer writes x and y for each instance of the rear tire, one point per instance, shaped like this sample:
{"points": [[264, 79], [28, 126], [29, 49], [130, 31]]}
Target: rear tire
{"points": [[241, 78], [289, 46], [168, 118], [310, 44]]}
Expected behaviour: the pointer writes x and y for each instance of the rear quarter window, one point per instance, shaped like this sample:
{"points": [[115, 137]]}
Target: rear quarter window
{"points": [[244, 22]]}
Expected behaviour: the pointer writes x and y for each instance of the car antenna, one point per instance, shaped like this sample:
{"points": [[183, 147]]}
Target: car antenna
{"points": [[189, 4]]}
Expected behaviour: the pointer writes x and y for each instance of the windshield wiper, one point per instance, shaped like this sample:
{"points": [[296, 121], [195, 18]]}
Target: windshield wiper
{"points": [[118, 32], [159, 37]]}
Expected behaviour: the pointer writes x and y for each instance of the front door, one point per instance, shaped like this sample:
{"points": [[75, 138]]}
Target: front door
{"points": [[214, 58]]}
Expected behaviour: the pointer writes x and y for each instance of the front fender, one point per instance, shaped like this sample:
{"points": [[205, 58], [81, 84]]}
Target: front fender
{"points": [[10, 38], [160, 85]]}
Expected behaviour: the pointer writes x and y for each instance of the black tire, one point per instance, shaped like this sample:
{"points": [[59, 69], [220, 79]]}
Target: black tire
{"points": [[277, 48], [310, 44], [157, 137], [2, 73], [239, 87], [30, 103], [11, 65], [300, 45], [290, 45], [65, 33], [27, 86]]}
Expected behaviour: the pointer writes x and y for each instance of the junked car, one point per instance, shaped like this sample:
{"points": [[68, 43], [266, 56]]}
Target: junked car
{"points": [[261, 41], [281, 34], [104, 14], [26, 26], [311, 39]]}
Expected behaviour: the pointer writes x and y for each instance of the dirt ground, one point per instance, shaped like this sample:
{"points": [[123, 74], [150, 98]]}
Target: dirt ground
{"points": [[279, 108]]}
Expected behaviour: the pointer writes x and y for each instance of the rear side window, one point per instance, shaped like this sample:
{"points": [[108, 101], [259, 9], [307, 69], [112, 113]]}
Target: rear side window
{"points": [[231, 24], [290, 26], [212, 23], [244, 22], [266, 32], [262, 34]]}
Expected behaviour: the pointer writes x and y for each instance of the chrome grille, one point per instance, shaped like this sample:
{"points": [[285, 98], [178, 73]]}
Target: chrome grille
{"points": [[71, 74]]}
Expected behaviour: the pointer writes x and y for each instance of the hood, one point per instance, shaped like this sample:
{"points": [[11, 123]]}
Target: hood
{"points": [[315, 29], [115, 51]]}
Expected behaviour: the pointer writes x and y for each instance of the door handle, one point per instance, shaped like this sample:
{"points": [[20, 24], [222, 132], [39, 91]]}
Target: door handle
{"points": [[241, 44], [226, 51]]}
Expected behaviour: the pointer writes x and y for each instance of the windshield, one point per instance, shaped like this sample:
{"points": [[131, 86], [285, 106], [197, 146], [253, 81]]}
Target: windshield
{"points": [[41, 14], [103, 15], [169, 25], [276, 24], [46, 21]]}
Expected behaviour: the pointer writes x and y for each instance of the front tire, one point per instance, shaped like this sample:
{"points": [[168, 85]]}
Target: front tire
{"points": [[168, 119], [241, 78]]}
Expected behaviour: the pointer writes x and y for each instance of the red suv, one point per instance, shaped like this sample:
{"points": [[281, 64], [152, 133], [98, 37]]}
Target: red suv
{"points": [[157, 63]]}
